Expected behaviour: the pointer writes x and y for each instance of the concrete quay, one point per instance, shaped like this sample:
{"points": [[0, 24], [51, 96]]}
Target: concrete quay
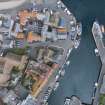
{"points": [[99, 43]]}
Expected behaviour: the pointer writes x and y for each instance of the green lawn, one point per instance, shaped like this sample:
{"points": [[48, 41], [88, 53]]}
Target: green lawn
{"points": [[102, 99], [19, 51]]}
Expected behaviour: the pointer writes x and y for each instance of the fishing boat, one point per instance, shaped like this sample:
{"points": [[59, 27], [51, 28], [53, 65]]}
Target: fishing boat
{"points": [[56, 86]]}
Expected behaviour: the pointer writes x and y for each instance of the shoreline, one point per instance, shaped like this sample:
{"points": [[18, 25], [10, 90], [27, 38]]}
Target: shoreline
{"points": [[99, 45]]}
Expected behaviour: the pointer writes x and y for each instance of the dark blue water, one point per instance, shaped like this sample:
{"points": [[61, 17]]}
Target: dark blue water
{"points": [[84, 69]]}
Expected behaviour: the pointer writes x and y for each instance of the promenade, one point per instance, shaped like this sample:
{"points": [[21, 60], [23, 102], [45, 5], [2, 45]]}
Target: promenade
{"points": [[99, 43]]}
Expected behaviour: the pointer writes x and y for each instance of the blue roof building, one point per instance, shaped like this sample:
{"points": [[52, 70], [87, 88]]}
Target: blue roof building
{"points": [[61, 22]]}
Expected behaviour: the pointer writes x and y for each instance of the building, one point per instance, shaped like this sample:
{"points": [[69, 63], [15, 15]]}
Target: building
{"points": [[1, 101], [11, 98], [62, 34], [20, 35], [28, 101], [7, 43], [49, 33], [35, 26], [54, 28], [3, 76], [62, 22], [30, 24], [20, 40], [47, 54], [33, 37], [6, 24], [7, 63], [24, 15], [16, 60], [1, 40], [17, 28], [40, 69]]}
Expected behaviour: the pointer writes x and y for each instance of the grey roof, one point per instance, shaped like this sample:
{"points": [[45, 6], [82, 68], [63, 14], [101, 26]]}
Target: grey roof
{"points": [[7, 41]]}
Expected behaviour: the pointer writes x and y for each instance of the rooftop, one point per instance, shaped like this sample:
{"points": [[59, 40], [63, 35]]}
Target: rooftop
{"points": [[33, 37], [25, 14]]}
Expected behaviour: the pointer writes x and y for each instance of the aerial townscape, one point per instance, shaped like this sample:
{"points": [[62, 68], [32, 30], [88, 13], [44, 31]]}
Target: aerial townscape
{"points": [[49, 56]]}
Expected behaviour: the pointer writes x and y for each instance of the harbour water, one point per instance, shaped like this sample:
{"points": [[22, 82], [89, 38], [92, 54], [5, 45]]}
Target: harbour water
{"points": [[85, 66]]}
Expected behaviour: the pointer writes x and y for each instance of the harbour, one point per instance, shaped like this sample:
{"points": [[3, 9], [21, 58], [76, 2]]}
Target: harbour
{"points": [[84, 69], [79, 61]]}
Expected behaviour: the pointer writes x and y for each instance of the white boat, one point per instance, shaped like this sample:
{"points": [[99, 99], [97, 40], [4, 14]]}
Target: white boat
{"points": [[79, 29], [65, 10], [96, 52], [56, 86], [102, 28], [59, 2], [96, 30], [68, 62], [68, 12], [63, 72], [76, 43], [71, 22], [67, 101], [57, 77], [69, 52], [60, 71]]}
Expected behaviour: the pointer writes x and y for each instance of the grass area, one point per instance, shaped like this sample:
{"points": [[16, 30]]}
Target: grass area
{"points": [[19, 51], [102, 99], [15, 70]]}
